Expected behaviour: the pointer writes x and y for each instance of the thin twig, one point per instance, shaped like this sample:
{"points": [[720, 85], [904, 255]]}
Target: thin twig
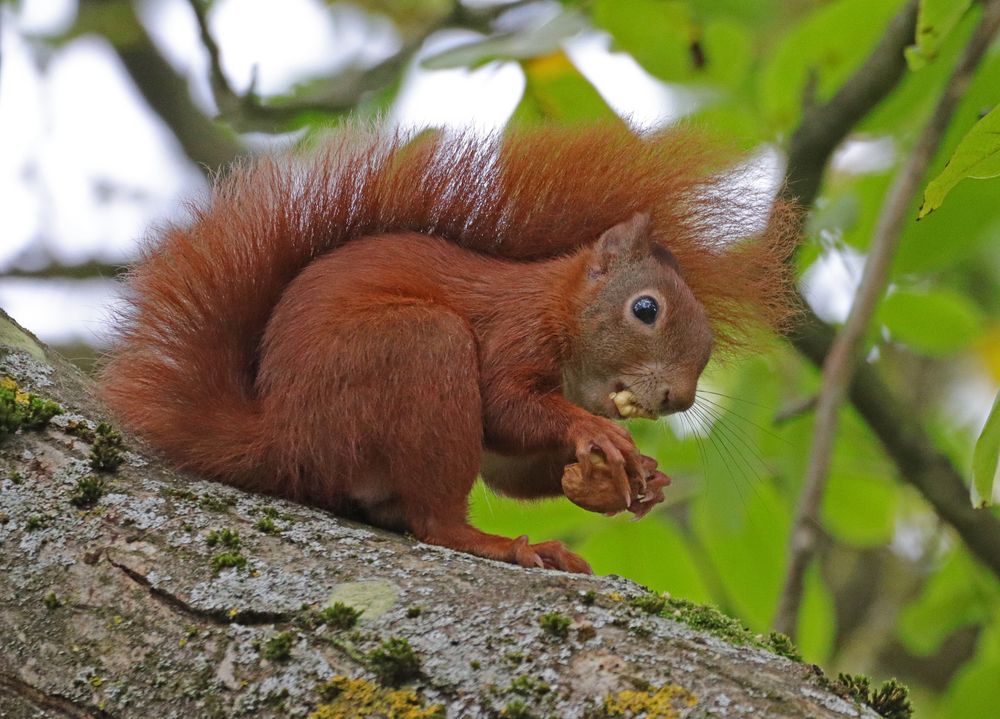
{"points": [[207, 144], [221, 88], [794, 410], [248, 112], [840, 363]]}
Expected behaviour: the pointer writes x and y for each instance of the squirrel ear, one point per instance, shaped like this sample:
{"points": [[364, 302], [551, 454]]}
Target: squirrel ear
{"points": [[626, 240]]}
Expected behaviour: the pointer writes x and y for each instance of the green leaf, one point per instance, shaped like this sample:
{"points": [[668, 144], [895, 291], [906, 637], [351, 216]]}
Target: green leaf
{"points": [[957, 594], [728, 54], [860, 509], [543, 520], [657, 33], [822, 51], [935, 21], [905, 111], [985, 457], [555, 90], [939, 322], [743, 529], [977, 156], [542, 40], [817, 623], [652, 552], [967, 226], [975, 692]]}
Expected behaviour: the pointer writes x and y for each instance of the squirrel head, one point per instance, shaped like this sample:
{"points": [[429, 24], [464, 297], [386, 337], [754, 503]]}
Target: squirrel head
{"points": [[643, 338]]}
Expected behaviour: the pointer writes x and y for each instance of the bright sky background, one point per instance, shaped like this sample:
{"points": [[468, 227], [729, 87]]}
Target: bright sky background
{"points": [[86, 167]]}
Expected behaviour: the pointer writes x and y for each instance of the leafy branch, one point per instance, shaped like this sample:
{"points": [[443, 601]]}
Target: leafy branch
{"points": [[843, 354]]}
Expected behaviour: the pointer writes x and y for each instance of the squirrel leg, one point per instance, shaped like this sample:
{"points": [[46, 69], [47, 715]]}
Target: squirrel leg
{"points": [[430, 413], [520, 420], [525, 476], [444, 438]]}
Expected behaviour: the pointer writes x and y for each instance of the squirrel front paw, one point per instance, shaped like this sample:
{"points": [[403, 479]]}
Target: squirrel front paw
{"points": [[602, 447], [652, 494], [598, 490]]}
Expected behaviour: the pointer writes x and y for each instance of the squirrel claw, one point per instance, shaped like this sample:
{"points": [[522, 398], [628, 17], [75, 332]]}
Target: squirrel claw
{"points": [[556, 556], [652, 496]]}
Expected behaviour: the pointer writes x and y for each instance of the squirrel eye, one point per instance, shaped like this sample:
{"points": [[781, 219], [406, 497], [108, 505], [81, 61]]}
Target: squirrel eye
{"points": [[645, 309]]}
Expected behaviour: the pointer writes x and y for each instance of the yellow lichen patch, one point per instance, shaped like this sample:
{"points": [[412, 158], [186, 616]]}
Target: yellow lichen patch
{"points": [[663, 703], [347, 698], [23, 410]]}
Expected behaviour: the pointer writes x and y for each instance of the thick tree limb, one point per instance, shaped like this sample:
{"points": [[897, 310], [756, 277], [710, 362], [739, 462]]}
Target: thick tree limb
{"points": [[115, 610]]}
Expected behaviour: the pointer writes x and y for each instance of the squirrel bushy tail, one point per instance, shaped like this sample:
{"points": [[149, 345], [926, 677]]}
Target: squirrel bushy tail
{"points": [[183, 371]]}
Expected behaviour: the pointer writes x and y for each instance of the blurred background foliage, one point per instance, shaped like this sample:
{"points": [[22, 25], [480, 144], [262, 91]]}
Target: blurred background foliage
{"points": [[898, 587]]}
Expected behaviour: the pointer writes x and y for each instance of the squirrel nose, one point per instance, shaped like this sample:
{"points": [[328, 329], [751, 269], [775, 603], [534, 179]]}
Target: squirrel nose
{"points": [[676, 399]]}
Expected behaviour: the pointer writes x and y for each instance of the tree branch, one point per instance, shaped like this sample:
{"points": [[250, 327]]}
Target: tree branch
{"points": [[823, 127], [208, 145], [342, 94], [844, 353], [118, 605]]}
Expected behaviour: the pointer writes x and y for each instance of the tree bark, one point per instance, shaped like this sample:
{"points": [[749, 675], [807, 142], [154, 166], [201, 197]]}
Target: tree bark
{"points": [[116, 610]]}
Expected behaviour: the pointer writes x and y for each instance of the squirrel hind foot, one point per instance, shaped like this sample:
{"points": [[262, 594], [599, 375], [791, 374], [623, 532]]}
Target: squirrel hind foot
{"points": [[544, 555]]}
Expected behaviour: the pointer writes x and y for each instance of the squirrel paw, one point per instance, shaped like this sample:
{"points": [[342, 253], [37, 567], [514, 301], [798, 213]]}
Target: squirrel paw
{"points": [[555, 555], [596, 438], [652, 494], [546, 555], [598, 491]]}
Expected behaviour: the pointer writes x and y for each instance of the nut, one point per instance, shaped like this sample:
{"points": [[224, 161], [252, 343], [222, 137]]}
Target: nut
{"points": [[600, 492]]}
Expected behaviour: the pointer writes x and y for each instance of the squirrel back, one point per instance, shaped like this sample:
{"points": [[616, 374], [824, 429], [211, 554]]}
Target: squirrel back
{"points": [[183, 371]]}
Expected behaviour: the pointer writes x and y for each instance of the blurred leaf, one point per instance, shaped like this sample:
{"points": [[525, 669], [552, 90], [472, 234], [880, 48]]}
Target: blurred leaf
{"points": [[542, 520], [970, 220], [906, 109], [938, 322], [657, 33], [651, 551], [731, 118], [757, 13], [935, 20], [958, 594], [745, 536], [977, 156], [988, 351], [985, 457], [555, 90], [967, 223], [410, 16], [817, 619], [728, 52], [851, 206], [975, 691], [544, 39], [115, 20], [823, 49], [860, 510]]}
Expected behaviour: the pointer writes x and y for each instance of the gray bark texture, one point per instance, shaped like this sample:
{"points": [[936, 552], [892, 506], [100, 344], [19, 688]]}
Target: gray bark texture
{"points": [[119, 606]]}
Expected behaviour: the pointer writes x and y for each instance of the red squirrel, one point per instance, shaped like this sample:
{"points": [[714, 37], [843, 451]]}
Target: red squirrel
{"points": [[369, 326]]}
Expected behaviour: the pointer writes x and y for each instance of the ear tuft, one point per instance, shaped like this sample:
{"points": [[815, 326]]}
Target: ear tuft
{"points": [[626, 240]]}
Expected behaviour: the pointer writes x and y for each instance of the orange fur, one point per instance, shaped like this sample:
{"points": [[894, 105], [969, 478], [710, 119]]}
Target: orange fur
{"points": [[225, 360]]}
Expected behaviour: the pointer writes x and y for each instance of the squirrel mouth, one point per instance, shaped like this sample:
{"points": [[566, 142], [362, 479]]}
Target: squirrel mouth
{"points": [[628, 405]]}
